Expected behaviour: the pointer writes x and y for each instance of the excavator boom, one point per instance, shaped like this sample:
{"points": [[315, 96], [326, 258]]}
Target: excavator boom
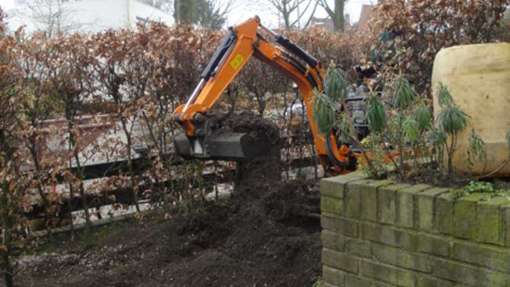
{"points": [[247, 40]]}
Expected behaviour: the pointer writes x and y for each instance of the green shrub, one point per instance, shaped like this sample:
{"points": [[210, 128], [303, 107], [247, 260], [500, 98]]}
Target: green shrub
{"points": [[405, 95], [335, 85], [452, 121], [423, 117], [376, 115], [477, 151], [480, 186], [327, 118], [324, 113], [317, 283]]}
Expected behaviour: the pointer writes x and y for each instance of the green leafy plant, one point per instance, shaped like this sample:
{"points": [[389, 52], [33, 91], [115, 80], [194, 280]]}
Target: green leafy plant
{"points": [[413, 136], [327, 118], [398, 124], [335, 91], [423, 117], [477, 151], [346, 130], [317, 283], [411, 129], [480, 186], [376, 115], [438, 139], [444, 96], [404, 97], [377, 167], [403, 127], [452, 121], [404, 93], [336, 85], [324, 113]]}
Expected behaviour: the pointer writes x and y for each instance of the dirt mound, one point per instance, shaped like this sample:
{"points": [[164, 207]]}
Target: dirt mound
{"points": [[247, 122], [267, 234], [270, 241]]}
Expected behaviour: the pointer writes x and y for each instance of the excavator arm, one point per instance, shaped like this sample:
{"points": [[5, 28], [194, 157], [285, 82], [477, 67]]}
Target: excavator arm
{"points": [[243, 42]]}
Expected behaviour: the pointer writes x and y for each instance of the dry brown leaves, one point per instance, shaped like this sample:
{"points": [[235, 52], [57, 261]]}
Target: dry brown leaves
{"points": [[416, 30]]}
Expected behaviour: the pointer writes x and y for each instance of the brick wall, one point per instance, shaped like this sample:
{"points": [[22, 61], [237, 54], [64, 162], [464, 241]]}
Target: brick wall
{"points": [[379, 233]]}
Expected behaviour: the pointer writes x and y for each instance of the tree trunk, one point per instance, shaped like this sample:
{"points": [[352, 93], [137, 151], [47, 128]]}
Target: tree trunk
{"points": [[81, 189], [185, 11], [83, 195], [71, 206], [40, 187], [7, 224], [177, 11], [8, 278], [261, 101], [286, 18], [339, 19], [131, 172]]}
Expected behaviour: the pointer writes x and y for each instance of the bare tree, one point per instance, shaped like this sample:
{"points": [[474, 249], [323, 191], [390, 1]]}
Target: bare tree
{"points": [[12, 182], [206, 13], [164, 5], [213, 13], [37, 107], [120, 70], [336, 13], [293, 11], [54, 17]]}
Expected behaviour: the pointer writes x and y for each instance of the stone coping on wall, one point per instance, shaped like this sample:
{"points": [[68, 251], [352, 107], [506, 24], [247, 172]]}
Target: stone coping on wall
{"points": [[383, 233]]}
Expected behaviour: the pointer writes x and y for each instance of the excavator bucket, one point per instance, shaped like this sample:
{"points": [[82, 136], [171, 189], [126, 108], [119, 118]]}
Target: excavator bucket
{"points": [[227, 146]]}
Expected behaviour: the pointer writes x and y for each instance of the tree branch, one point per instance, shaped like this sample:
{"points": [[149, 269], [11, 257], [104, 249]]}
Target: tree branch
{"points": [[324, 4], [307, 24]]}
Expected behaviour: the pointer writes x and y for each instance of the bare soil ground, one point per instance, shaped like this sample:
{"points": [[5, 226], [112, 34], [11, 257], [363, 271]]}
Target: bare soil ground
{"points": [[253, 240], [267, 234]]}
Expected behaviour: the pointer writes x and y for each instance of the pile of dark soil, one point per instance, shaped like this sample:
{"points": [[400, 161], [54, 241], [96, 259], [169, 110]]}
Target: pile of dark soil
{"points": [[267, 234], [249, 122]]}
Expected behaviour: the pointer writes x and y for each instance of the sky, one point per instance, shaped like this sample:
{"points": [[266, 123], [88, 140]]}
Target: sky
{"points": [[243, 9], [6, 4]]}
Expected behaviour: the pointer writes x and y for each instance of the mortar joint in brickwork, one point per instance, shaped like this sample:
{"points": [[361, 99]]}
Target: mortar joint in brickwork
{"points": [[418, 236]]}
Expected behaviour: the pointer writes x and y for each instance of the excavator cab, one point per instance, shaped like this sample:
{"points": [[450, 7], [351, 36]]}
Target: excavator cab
{"points": [[204, 137]]}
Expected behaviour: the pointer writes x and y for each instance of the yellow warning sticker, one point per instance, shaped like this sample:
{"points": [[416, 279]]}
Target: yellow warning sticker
{"points": [[237, 61]]}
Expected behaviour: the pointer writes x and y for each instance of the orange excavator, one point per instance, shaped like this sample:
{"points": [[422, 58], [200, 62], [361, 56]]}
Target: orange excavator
{"points": [[247, 40]]}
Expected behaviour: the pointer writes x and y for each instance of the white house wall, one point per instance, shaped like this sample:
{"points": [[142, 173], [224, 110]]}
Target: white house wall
{"points": [[144, 11], [93, 16]]}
